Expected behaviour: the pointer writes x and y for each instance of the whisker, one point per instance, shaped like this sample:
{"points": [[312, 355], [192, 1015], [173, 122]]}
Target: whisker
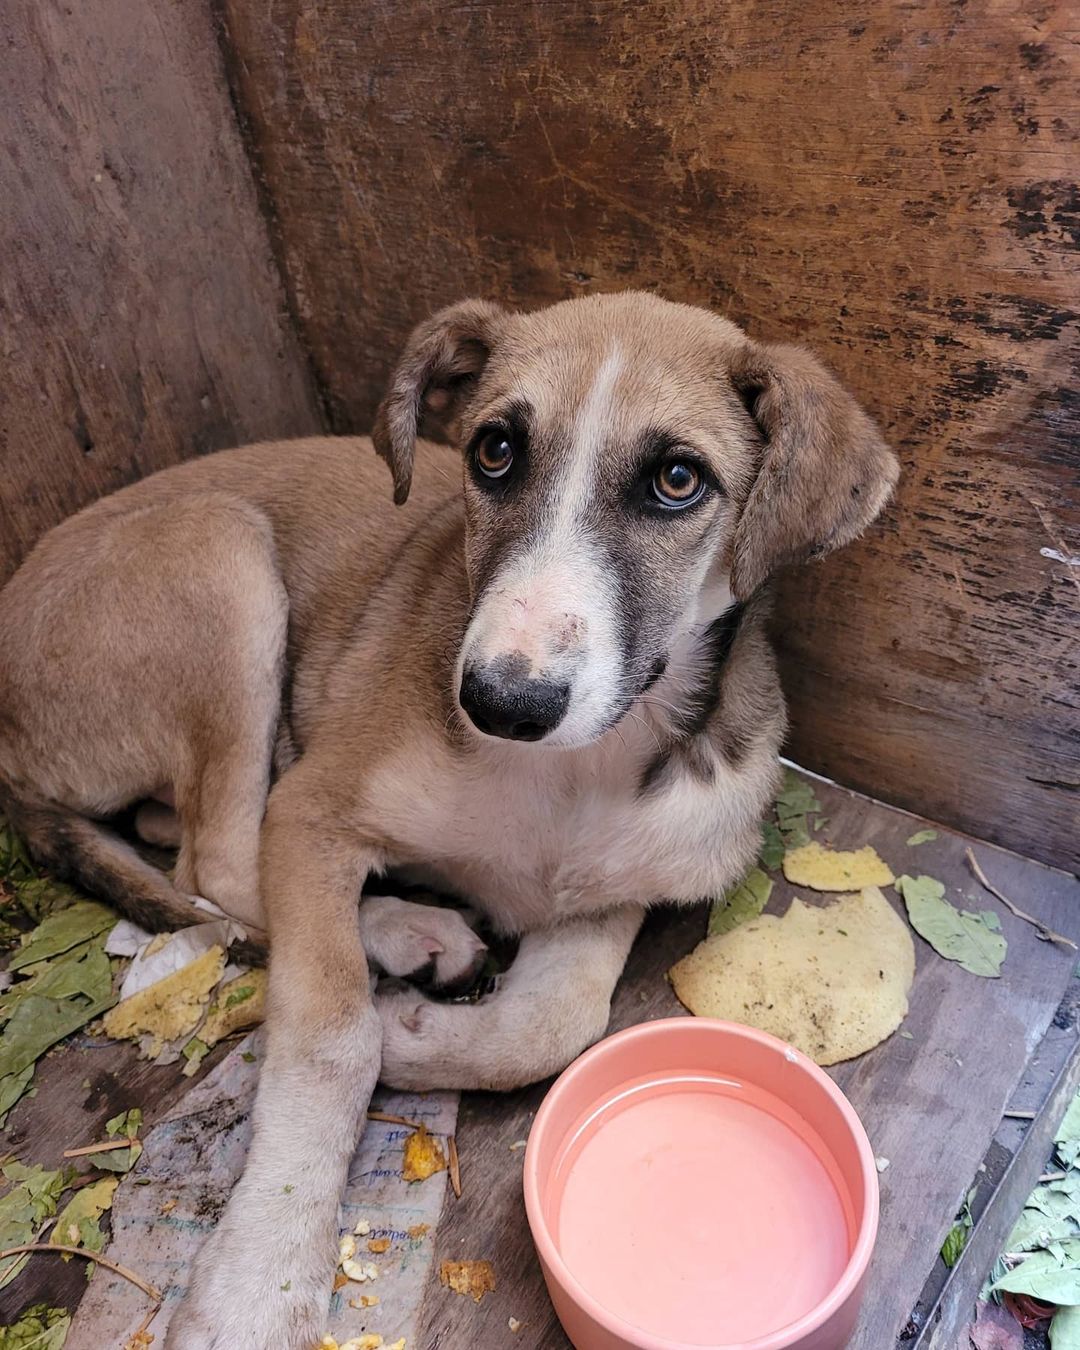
{"points": [[648, 728]]}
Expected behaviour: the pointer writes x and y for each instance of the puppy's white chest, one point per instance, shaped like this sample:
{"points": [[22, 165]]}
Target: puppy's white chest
{"points": [[531, 838]]}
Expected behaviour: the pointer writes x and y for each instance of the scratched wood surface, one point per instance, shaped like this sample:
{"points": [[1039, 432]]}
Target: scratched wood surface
{"points": [[893, 184], [141, 314], [80, 1085], [932, 1105]]}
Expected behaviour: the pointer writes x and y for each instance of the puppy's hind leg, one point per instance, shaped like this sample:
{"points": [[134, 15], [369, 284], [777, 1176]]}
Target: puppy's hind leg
{"points": [[158, 824], [553, 1002], [222, 798]]}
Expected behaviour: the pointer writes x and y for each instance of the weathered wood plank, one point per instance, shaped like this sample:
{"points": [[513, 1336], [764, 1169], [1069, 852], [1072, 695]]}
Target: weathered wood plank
{"points": [[931, 1104], [142, 319], [79, 1086], [895, 186]]}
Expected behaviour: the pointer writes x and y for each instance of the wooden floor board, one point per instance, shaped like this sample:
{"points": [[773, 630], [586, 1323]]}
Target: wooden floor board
{"points": [[931, 1105]]}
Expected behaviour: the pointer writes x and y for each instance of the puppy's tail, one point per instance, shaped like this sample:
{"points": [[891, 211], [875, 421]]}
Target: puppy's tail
{"points": [[79, 850]]}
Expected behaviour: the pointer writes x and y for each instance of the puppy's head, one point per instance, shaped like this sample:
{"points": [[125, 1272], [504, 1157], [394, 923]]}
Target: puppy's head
{"points": [[632, 468]]}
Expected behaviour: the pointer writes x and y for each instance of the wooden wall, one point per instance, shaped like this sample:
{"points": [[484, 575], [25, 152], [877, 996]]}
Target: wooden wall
{"points": [[892, 183], [141, 315]]}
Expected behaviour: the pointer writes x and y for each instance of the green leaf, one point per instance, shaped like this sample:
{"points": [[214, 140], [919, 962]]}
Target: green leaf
{"points": [[793, 802], [240, 995], [84, 970], [796, 797], [1043, 1275], [1065, 1329], [126, 1124], [954, 1244], [1035, 1229], [14, 859], [39, 1328], [60, 932], [743, 901], [32, 1199], [772, 846], [1067, 1135], [194, 1052], [957, 935], [12, 1087], [83, 1212], [41, 897], [37, 1023], [117, 1159], [922, 837]]}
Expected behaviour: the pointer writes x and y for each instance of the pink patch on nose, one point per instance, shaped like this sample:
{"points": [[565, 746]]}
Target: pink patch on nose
{"points": [[570, 632]]}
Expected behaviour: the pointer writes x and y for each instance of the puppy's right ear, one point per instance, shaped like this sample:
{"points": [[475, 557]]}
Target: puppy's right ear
{"points": [[441, 360]]}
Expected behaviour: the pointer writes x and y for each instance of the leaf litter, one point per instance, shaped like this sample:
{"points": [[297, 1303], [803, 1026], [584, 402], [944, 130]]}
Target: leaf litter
{"points": [[974, 941], [1042, 1252]]}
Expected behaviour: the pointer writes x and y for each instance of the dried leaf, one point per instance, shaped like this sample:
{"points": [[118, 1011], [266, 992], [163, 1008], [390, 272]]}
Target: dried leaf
{"points": [[85, 970], [995, 1328], [921, 837], [60, 932], [743, 901], [13, 1086], [474, 1278], [1044, 1276], [958, 935], [38, 1023], [1035, 1229]]}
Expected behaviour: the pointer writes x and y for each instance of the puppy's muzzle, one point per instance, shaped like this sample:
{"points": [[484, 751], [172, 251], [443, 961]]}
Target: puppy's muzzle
{"points": [[501, 700]]}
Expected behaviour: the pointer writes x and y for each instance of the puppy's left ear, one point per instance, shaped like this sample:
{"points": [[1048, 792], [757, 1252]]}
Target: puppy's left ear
{"points": [[441, 360], [824, 472]]}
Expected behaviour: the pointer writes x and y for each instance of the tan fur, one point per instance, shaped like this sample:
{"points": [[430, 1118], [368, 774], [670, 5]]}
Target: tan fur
{"points": [[266, 606]]}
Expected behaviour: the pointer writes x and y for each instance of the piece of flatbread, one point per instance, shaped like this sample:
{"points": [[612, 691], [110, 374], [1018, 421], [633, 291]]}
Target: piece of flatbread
{"points": [[823, 869], [833, 981]]}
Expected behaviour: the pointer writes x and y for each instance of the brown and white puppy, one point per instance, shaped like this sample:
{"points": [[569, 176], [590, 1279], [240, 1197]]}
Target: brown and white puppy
{"points": [[548, 690]]}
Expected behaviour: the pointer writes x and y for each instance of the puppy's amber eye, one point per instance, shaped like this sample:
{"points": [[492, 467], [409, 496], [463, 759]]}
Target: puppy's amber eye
{"points": [[494, 454], [677, 483]]}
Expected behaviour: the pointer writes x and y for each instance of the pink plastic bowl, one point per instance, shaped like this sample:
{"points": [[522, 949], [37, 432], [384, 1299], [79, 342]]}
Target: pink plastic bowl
{"points": [[694, 1183]]}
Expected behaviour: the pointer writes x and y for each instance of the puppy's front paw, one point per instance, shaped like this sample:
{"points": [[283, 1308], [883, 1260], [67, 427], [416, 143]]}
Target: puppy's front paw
{"points": [[255, 1292], [405, 939]]}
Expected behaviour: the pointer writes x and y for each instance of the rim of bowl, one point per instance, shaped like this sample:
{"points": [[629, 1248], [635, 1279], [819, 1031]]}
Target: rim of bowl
{"points": [[788, 1335]]}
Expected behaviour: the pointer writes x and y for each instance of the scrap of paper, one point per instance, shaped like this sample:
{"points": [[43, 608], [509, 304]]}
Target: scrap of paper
{"points": [[191, 1160]]}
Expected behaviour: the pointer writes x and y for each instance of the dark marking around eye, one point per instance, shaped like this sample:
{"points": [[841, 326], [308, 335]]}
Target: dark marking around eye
{"points": [[484, 454]]}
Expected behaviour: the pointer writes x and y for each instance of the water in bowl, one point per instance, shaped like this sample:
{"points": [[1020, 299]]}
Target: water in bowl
{"points": [[701, 1210]]}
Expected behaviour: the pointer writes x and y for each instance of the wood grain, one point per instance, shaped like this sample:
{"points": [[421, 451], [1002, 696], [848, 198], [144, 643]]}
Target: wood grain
{"points": [[932, 1105], [142, 319], [895, 185], [78, 1087]]}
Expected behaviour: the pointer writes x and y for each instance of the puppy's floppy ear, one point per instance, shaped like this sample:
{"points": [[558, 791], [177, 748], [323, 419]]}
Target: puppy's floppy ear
{"points": [[442, 357], [824, 472]]}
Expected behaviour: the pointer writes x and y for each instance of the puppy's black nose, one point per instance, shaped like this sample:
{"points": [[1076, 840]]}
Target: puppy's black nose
{"points": [[502, 701]]}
